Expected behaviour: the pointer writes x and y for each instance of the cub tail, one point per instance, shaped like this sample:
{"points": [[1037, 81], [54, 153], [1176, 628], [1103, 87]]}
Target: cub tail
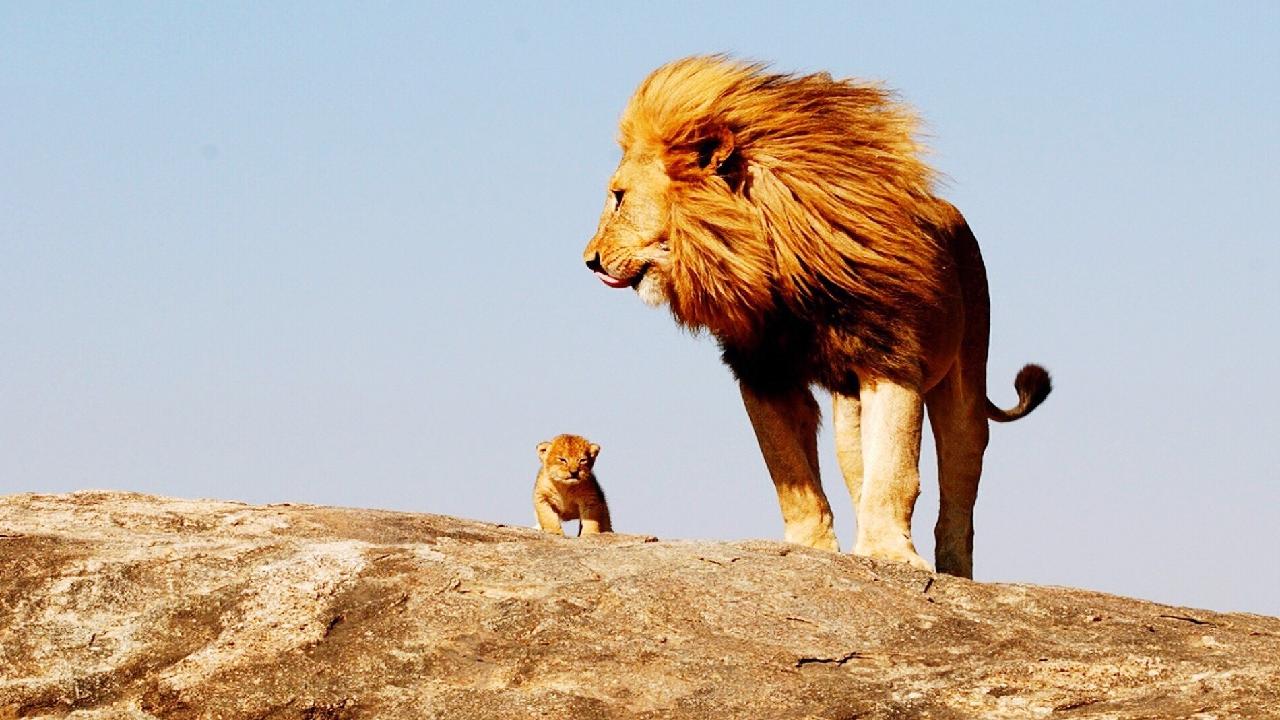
{"points": [[1033, 386]]}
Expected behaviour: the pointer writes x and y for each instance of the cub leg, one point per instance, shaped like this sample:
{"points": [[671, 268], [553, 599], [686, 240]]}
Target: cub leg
{"points": [[786, 426], [891, 418], [548, 519], [594, 519], [959, 421]]}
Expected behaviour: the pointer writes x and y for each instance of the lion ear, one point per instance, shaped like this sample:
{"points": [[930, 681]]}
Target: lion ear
{"points": [[543, 447], [714, 148], [707, 154]]}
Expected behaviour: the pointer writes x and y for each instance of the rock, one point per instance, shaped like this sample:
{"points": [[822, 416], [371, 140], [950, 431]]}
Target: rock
{"points": [[117, 605]]}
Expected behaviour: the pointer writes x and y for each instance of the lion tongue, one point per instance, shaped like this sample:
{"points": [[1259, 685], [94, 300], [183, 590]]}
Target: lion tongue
{"points": [[610, 280]]}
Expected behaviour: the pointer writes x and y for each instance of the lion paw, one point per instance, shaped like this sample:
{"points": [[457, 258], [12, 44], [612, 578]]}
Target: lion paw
{"points": [[817, 538], [826, 543], [898, 552]]}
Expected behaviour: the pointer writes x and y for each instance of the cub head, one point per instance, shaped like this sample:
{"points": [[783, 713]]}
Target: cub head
{"points": [[568, 459]]}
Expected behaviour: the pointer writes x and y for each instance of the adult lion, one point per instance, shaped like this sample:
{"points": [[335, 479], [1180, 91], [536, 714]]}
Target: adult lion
{"points": [[791, 216]]}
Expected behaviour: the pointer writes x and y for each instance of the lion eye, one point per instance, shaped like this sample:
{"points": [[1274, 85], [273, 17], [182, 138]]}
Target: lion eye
{"points": [[617, 198], [564, 461]]}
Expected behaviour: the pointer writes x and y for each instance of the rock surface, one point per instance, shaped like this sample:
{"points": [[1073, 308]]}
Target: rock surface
{"points": [[118, 605]]}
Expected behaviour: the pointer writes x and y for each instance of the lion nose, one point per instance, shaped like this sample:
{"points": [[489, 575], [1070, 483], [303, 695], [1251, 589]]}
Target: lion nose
{"points": [[593, 264]]}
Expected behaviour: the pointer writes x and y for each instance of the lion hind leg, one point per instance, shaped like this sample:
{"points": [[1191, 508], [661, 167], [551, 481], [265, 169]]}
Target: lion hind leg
{"points": [[957, 414], [786, 426], [891, 419]]}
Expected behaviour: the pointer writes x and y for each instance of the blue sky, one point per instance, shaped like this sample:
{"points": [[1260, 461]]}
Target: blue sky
{"points": [[331, 253]]}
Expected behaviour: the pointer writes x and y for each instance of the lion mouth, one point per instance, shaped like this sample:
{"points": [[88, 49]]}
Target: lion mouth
{"points": [[612, 281], [615, 282], [597, 267]]}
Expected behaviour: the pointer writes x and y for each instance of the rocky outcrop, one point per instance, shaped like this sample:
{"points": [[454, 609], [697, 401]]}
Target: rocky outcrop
{"points": [[129, 606]]}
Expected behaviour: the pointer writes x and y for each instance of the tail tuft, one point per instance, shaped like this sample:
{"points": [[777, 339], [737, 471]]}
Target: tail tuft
{"points": [[1033, 386]]}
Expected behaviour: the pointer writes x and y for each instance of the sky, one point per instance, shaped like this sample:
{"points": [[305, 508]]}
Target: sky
{"points": [[331, 253]]}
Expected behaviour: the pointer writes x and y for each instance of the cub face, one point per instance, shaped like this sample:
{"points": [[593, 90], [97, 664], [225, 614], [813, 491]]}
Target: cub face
{"points": [[568, 459]]}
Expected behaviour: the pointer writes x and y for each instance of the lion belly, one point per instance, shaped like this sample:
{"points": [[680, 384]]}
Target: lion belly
{"points": [[843, 344]]}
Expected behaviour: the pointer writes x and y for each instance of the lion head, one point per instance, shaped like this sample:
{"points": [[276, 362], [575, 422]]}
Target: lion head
{"points": [[742, 193]]}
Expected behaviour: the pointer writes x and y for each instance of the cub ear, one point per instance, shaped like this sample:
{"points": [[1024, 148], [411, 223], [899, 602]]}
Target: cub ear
{"points": [[593, 450], [543, 447], [708, 153]]}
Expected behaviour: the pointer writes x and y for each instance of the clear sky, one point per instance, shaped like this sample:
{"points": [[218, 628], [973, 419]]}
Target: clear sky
{"points": [[331, 254]]}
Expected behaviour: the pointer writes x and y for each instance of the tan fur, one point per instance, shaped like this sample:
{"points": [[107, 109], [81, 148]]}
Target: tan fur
{"points": [[566, 487], [792, 217]]}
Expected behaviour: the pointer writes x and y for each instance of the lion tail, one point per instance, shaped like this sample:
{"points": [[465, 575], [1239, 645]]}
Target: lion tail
{"points": [[1033, 386]]}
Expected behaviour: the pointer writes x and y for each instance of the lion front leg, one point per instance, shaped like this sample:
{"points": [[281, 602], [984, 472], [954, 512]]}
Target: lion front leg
{"points": [[786, 426], [846, 423], [891, 423]]}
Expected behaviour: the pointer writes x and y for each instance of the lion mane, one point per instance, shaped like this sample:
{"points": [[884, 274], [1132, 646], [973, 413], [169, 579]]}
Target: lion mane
{"points": [[797, 219]]}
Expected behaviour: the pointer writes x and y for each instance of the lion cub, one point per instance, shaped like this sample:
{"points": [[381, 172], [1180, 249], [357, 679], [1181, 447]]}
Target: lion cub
{"points": [[566, 489]]}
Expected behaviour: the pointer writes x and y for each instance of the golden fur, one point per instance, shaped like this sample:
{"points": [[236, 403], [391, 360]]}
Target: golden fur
{"points": [[792, 217], [566, 487]]}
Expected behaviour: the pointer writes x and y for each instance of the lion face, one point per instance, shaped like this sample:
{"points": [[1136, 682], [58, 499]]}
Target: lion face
{"points": [[630, 247], [679, 228]]}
